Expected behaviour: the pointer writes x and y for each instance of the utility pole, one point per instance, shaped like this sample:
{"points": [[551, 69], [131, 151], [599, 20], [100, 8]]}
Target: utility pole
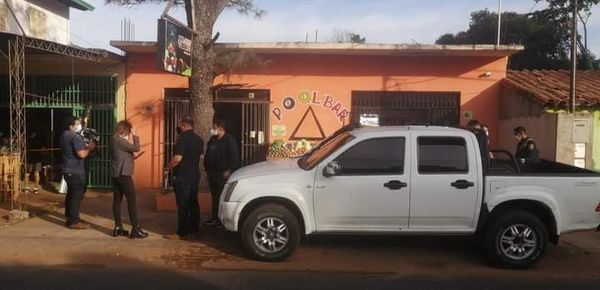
{"points": [[573, 85], [499, 20]]}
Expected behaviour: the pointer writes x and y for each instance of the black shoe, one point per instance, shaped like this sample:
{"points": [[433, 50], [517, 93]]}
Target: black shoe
{"points": [[120, 232], [138, 233]]}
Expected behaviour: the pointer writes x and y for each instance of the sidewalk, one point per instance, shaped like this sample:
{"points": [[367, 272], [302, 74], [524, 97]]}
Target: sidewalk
{"points": [[44, 241]]}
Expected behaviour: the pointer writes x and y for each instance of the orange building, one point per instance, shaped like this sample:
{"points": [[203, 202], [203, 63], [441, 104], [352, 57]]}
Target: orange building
{"points": [[306, 91]]}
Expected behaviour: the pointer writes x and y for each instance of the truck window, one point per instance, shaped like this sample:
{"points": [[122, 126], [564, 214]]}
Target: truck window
{"points": [[442, 155], [381, 156], [315, 156]]}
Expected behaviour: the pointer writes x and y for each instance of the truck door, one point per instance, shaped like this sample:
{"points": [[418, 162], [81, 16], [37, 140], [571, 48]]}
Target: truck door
{"points": [[445, 183], [371, 190]]}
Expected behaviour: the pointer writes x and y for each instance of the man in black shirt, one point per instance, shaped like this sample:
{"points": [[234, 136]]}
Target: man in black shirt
{"points": [[483, 140], [186, 166], [222, 158], [74, 151], [526, 148]]}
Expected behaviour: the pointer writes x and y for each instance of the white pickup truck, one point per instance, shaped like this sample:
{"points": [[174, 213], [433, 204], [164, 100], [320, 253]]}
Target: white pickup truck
{"points": [[409, 180]]}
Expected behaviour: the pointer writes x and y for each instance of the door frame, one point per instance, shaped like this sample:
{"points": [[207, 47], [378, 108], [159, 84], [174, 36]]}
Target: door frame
{"points": [[254, 102]]}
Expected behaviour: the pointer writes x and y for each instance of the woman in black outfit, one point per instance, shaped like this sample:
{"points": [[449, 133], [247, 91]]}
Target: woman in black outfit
{"points": [[124, 145]]}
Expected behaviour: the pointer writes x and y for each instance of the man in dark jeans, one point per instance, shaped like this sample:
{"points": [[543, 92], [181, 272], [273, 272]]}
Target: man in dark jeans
{"points": [[74, 151], [186, 166], [222, 158]]}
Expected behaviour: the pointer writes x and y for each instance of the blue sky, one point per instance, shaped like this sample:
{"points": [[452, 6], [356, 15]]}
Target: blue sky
{"points": [[380, 21]]}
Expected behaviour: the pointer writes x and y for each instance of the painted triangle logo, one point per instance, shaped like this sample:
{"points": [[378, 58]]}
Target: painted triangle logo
{"points": [[308, 128]]}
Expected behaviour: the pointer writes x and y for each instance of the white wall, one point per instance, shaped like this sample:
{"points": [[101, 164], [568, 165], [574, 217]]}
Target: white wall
{"points": [[44, 19], [565, 152]]}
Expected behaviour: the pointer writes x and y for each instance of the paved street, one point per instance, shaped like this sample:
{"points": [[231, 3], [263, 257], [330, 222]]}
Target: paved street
{"points": [[41, 254]]}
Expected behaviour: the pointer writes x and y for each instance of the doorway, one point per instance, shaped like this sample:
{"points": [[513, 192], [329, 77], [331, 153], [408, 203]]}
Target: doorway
{"points": [[246, 115]]}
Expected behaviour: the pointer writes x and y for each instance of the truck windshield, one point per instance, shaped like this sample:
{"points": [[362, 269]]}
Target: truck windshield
{"points": [[324, 149]]}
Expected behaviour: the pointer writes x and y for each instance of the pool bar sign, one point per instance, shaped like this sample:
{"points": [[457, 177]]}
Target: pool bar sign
{"points": [[312, 98]]}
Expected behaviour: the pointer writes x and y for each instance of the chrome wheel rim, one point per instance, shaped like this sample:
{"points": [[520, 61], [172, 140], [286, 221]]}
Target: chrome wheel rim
{"points": [[271, 235], [518, 242]]}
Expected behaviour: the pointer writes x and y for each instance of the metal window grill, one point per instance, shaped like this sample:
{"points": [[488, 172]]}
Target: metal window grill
{"points": [[407, 107], [74, 93]]}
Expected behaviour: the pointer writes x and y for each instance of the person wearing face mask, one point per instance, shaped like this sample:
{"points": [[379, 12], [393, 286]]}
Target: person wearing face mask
{"points": [[526, 148], [124, 144], [222, 158], [73, 152], [186, 166]]}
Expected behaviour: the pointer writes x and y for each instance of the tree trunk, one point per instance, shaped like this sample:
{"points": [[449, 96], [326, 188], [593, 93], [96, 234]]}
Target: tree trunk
{"points": [[200, 89], [205, 13]]}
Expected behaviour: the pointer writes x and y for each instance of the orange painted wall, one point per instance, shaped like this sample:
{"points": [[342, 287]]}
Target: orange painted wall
{"points": [[328, 75], [144, 109]]}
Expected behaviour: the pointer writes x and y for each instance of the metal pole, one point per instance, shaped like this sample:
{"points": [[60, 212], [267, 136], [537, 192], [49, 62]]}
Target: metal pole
{"points": [[499, 20], [573, 84]]}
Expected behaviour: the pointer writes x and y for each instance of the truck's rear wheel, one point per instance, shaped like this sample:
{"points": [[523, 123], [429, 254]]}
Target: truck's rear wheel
{"points": [[516, 239], [270, 233]]}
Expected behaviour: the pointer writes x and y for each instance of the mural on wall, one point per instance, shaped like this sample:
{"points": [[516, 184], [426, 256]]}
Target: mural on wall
{"points": [[37, 22], [312, 98], [3, 17], [309, 124], [308, 129]]}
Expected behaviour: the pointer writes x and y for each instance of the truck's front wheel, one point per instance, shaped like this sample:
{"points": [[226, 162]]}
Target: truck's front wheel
{"points": [[516, 239], [270, 233]]}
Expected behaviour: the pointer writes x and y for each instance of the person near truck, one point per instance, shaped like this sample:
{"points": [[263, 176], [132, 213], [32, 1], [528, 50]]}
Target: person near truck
{"points": [[222, 158], [482, 138], [73, 152], [124, 145], [526, 147], [186, 176]]}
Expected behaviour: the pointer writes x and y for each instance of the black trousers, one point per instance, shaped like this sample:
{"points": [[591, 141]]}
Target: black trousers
{"points": [[75, 194], [123, 186], [216, 184], [188, 210]]}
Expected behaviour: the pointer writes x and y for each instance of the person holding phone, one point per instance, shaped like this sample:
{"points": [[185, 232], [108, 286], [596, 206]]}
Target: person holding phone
{"points": [[124, 145]]}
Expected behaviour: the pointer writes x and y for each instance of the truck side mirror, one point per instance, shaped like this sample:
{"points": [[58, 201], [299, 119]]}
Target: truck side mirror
{"points": [[332, 168]]}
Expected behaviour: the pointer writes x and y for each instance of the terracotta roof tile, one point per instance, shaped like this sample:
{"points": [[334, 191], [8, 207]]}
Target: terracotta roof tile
{"points": [[551, 87]]}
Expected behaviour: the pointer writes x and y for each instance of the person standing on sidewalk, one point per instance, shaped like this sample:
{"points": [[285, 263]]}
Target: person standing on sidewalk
{"points": [[222, 158], [186, 177], [124, 144], [74, 151]]}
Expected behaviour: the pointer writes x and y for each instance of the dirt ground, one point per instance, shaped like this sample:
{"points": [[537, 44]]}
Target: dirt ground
{"points": [[43, 241]]}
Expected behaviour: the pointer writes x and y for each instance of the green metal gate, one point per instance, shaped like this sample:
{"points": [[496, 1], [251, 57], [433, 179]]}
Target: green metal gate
{"points": [[103, 120], [74, 93]]}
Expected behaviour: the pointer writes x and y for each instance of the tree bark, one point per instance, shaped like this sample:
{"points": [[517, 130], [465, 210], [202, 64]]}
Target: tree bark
{"points": [[205, 14]]}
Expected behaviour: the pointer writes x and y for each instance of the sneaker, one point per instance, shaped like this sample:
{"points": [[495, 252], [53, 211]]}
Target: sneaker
{"points": [[79, 226], [35, 191]]}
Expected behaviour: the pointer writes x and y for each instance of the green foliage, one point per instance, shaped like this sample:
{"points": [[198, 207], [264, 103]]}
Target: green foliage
{"points": [[545, 35], [356, 38]]}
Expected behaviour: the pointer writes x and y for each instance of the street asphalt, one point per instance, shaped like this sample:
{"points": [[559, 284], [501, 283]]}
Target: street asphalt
{"points": [[90, 277], [41, 253]]}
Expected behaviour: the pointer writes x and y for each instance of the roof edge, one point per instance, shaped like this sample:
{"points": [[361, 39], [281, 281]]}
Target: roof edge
{"points": [[79, 4], [346, 48]]}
